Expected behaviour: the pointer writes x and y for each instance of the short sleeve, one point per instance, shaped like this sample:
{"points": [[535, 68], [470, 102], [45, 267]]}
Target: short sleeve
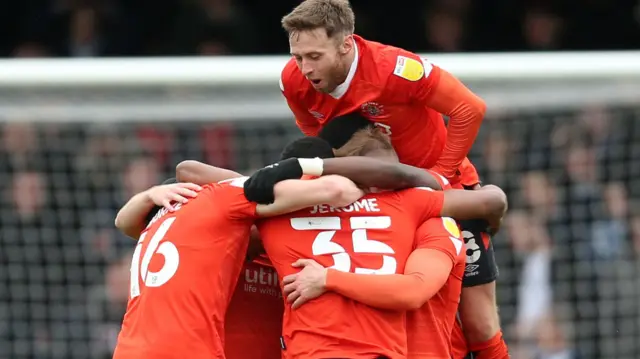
{"points": [[442, 181], [231, 194], [425, 203], [442, 234], [415, 76]]}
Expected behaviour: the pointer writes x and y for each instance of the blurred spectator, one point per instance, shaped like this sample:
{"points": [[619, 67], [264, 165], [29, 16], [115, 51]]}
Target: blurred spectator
{"points": [[569, 252], [88, 28]]}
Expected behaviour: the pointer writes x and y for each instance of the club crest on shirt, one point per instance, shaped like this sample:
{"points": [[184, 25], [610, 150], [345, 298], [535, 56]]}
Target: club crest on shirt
{"points": [[372, 109], [316, 114]]}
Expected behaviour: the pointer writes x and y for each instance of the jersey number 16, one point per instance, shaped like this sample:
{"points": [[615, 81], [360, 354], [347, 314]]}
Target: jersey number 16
{"points": [[141, 269]]}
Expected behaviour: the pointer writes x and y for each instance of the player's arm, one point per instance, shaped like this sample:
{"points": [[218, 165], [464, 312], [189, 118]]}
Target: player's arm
{"points": [[201, 173], [293, 195], [134, 216], [465, 111], [442, 92], [488, 203], [366, 172], [427, 269]]}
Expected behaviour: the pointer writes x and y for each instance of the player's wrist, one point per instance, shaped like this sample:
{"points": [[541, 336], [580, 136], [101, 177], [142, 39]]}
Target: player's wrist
{"points": [[331, 279], [311, 166]]}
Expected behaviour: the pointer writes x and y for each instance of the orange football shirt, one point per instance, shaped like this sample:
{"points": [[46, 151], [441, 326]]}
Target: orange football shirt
{"points": [[183, 273], [401, 93], [253, 324], [374, 235], [429, 328]]}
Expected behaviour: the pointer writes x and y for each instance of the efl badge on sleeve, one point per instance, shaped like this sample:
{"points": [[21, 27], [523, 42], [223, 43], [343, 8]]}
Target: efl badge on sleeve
{"points": [[451, 226], [409, 69], [372, 109]]}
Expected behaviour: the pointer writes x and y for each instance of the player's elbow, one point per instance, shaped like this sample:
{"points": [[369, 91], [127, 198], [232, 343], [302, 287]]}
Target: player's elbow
{"points": [[126, 227], [480, 108], [421, 291], [119, 222], [186, 170], [415, 299], [414, 302]]}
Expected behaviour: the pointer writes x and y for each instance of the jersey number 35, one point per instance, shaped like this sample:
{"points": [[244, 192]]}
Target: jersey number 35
{"points": [[323, 243]]}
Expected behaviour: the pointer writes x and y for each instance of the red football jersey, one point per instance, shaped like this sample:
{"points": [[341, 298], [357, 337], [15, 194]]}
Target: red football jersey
{"points": [[429, 328], [253, 324], [374, 235], [388, 85], [183, 273], [459, 347]]}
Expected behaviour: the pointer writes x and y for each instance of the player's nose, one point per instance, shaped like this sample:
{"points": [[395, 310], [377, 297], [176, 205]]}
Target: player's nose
{"points": [[306, 69]]}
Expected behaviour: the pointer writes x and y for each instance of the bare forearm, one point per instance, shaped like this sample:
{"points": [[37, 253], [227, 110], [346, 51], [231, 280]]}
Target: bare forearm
{"points": [[201, 173], [293, 195], [131, 219], [369, 172], [395, 292]]}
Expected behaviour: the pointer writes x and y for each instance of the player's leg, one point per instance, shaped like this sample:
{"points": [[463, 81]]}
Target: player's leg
{"points": [[478, 309]]}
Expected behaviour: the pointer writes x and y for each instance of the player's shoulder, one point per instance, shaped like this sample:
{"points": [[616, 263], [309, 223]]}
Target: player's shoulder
{"points": [[439, 225], [237, 182], [444, 232], [442, 181], [233, 187], [396, 63]]}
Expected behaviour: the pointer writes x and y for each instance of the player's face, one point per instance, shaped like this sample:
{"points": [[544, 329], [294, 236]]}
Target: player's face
{"points": [[322, 60]]}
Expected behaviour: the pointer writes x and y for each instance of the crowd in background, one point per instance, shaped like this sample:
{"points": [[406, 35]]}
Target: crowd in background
{"points": [[569, 250], [86, 28]]}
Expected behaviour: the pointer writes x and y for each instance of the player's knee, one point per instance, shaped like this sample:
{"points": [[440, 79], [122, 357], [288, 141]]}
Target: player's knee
{"points": [[479, 312]]}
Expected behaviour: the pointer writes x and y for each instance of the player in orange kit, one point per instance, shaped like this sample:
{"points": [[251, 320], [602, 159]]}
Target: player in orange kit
{"points": [[334, 72], [255, 312], [373, 236], [142, 336], [178, 299], [434, 272], [430, 287], [480, 269]]}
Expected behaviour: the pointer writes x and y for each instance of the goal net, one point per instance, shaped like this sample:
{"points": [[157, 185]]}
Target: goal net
{"points": [[79, 137]]}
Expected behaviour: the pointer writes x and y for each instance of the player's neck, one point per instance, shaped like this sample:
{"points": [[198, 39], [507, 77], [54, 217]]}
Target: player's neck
{"points": [[347, 61]]}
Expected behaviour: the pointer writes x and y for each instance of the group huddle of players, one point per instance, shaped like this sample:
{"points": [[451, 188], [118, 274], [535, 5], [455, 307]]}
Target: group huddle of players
{"points": [[351, 246]]}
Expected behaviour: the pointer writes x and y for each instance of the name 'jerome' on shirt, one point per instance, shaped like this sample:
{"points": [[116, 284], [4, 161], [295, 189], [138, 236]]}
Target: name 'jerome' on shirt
{"points": [[361, 205]]}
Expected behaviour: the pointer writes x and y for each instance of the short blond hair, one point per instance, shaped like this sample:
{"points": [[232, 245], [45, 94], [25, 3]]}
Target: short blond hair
{"points": [[334, 16], [364, 141]]}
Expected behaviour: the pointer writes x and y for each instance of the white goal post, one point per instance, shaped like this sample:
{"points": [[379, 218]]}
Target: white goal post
{"points": [[80, 136], [235, 88]]}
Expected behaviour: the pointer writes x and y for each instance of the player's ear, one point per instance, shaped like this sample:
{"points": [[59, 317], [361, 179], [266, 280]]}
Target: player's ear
{"points": [[347, 44]]}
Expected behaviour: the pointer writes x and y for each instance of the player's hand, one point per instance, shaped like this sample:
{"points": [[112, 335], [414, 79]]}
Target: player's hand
{"points": [[493, 225], [305, 285], [259, 187], [166, 195]]}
